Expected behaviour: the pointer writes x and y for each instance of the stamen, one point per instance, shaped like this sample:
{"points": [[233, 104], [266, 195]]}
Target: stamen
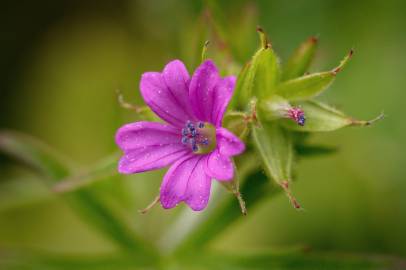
{"points": [[184, 140], [297, 115], [195, 136]]}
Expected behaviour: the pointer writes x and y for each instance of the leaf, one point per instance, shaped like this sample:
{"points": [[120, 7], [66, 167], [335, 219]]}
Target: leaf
{"points": [[275, 148], [300, 60], [321, 117], [260, 76], [86, 202], [105, 168], [309, 86], [34, 260], [289, 260], [314, 150], [34, 154]]}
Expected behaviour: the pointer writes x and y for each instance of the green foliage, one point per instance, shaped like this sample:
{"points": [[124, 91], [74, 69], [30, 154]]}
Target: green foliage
{"points": [[259, 77], [86, 202], [270, 137], [275, 147], [299, 62]]}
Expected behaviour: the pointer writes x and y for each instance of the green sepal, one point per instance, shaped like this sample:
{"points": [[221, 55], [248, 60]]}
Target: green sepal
{"points": [[309, 86], [300, 60], [274, 145], [321, 117], [259, 77]]}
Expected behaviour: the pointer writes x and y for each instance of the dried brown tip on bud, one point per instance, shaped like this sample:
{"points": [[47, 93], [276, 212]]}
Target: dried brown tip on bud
{"points": [[150, 206], [351, 53], [368, 122], [292, 199], [343, 63], [259, 29], [313, 39]]}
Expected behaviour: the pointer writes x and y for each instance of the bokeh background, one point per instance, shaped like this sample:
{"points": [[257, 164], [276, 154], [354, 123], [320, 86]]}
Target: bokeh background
{"points": [[61, 62]]}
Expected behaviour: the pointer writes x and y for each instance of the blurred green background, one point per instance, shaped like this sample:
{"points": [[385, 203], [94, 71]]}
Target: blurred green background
{"points": [[61, 62]]}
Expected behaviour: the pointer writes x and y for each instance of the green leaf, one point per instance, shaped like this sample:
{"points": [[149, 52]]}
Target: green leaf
{"points": [[321, 117], [86, 202], [34, 154], [275, 148], [300, 60], [308, 86], [104, 168], [289, 260], [314, 150], [34, 260]]}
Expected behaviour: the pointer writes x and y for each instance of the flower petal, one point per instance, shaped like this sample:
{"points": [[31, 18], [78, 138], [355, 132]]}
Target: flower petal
{"points": [[177, 79], [219, 166], [186, 181], [143, 133], [148, 146], [201, 90], [222, 95], [150, 158], [227, 143], [167, 93]]}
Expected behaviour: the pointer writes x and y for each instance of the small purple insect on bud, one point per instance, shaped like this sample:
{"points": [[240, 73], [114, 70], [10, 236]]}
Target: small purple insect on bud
{"points": [[297, 115]]}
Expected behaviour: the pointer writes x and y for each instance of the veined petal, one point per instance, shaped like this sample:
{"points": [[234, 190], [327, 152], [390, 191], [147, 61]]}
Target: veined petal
{"points": [[151, 158], [148, 146], [177, 79], [167, 102], [201, 90], [222, 96], [186, 181], [219, 166], [143, 133], [227, 143]]}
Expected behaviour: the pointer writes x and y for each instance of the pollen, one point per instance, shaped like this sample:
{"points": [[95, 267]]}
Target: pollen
{"points": [[198, 136]]}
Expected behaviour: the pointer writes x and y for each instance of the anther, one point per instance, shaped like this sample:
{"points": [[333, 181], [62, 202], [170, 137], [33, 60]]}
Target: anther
{"points": [[184, 140], [201, 125]]}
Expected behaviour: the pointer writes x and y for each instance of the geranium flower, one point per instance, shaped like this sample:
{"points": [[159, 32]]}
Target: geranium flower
{"points": [[192, 141]]}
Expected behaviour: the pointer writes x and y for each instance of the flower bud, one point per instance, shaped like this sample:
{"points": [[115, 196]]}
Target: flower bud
{"points": [[277, 107]]}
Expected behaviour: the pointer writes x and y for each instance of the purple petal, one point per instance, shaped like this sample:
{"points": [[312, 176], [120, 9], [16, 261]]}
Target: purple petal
{"points": [[186, 181], [219, 166], [222, 95], [150, 158], [227, 143], [177, 79], [167, 93], [201, 90], [148, 146]]}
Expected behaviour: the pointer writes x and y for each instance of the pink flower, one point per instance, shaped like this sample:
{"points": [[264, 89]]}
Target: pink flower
{"points": [[192, 141]]}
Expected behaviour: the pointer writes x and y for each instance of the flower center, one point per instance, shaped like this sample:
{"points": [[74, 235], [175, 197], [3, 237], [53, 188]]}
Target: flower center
{"points": [[199, 136]]}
